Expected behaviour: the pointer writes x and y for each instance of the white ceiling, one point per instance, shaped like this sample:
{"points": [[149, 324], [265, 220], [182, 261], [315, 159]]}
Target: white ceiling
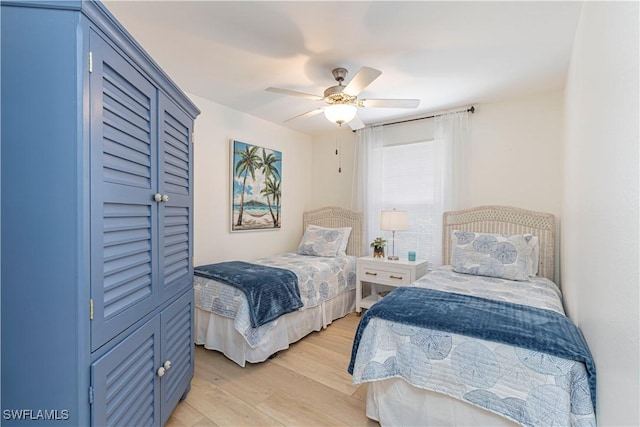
{"points": [[446, 54]]}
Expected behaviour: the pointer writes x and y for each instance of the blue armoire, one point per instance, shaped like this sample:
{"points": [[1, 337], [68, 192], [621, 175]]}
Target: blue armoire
{"points": [[97, 235]]}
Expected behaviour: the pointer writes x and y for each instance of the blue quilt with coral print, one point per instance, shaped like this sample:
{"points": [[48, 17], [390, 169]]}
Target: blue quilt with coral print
{"points": [[319, 280], [271, 291]]}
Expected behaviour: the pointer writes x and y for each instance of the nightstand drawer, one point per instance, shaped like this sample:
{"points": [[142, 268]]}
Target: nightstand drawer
{"points": [[382, 272], [386, 276]]}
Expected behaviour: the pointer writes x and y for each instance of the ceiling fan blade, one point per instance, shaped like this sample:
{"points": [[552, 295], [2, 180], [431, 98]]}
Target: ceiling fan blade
{"points": [[305, 115], [361, 80], [356, 123], [389, 103], [294, 93]]}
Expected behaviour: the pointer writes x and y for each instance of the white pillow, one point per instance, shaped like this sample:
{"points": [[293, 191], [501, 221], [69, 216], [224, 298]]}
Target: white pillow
{"points": [[533, 260], [493, 255], [320, 242], [345, 232]]}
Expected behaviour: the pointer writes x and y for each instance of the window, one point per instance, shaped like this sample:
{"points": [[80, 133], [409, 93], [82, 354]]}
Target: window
{"points": [[411, 181], [422, 167]]}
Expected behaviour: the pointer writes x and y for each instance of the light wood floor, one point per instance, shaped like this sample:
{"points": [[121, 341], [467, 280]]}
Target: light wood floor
{"points": [[305, 385]]}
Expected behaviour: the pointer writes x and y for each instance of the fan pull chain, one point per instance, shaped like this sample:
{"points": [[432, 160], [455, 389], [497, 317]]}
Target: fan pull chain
{"points": [[338, 152]]}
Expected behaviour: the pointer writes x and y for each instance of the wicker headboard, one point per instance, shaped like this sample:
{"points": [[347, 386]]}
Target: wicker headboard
{"points": [[503, 220], [333, 216]]}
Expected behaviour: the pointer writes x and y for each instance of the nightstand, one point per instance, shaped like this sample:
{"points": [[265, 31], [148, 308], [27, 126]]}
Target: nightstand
{"points": [[381, 271]]}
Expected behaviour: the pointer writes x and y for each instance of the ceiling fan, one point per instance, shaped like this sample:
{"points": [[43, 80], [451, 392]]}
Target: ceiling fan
{"points": [[342, 101]]}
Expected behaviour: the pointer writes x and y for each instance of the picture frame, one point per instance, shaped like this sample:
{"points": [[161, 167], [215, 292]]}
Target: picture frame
{"points": [[256, 177]]}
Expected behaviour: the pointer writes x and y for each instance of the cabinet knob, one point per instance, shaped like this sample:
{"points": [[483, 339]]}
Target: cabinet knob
{"points": [[165, 198], [157, 197], [161, 371], [167, 365]]}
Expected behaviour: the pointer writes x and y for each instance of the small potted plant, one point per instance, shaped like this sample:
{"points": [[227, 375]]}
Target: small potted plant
{"points": [[378, 247]]}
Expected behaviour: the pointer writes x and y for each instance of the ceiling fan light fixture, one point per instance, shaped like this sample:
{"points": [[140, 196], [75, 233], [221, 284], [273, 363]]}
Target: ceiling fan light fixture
{"points": [[340, 113]]}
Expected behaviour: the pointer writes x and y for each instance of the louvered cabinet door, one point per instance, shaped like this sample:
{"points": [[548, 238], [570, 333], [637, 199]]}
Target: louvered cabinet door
{"points": [[177, 355], [125, 381], [175, 216], [123, 182]]}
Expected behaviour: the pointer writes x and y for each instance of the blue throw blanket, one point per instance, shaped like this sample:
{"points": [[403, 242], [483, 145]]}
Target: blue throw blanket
{"points": [[271, 292], [522, 326]]}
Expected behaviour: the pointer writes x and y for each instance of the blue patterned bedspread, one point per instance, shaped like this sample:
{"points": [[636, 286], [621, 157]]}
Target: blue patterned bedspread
{"points": [[270, 291], [319, 279], [532, 366]]}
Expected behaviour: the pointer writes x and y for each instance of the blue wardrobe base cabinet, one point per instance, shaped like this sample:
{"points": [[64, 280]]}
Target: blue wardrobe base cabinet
{"points": [[130, 370], [96, 273]]}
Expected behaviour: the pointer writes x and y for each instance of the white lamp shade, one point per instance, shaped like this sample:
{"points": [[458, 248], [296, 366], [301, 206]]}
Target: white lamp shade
{"points": [[394, 220], [340, 113]]}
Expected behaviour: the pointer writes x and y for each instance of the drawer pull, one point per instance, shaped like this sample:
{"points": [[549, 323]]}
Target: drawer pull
{"points": [[395, 277], [371, 274]]}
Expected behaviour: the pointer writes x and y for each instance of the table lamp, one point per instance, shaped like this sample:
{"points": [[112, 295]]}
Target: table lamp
{"points": [[393, 221]]}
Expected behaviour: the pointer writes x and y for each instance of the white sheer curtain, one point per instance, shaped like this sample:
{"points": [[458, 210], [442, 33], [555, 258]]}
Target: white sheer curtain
{"points": [[367, 180], [453, 148], [387, 176], [452, 135]]}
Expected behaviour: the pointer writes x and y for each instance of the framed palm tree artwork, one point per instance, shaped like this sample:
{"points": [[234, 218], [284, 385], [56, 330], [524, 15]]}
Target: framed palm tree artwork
{"points": [[255, 189]]}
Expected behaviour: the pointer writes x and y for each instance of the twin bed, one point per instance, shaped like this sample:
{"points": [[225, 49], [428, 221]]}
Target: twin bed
{"points": [[326, 279], [471, 347], [430, 352]]}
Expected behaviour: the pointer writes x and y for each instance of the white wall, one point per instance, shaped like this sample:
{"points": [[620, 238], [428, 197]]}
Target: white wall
{"points": [[600, 215], [516, 154], [516, 138], [214, 129], [330, 187]]}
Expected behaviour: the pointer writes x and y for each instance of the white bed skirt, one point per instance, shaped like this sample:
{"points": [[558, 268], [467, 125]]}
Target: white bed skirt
{"points": [[395, 402], [217, 332]]}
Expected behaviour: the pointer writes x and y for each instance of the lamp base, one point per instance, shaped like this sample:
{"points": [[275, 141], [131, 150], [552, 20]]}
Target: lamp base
{"points": [[393, 258]]}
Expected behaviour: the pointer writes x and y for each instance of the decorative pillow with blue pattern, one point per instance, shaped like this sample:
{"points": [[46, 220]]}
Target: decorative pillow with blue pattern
{"points": [[320, 242], [493, 255], [345, 232]]}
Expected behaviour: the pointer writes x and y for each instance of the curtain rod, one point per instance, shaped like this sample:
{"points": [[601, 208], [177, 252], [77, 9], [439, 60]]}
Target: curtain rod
{"points": [[471, 110]]}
